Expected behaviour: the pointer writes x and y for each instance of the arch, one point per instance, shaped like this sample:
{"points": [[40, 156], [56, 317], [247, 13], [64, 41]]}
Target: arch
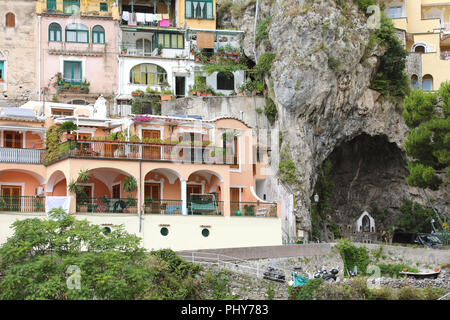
{"points": [[77, 32], [415, 82], [35, 175], [10, 20], [98, 35], [55, 178], [207, 174], [365, 223], [427, 82], [225, 81], [148, 74], [54, 32], [420, 47], [107, 176], [170, 174]]}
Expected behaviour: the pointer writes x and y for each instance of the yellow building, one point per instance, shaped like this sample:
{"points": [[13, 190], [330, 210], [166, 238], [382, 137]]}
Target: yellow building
{"points": [[83, 7], [426, 24]]}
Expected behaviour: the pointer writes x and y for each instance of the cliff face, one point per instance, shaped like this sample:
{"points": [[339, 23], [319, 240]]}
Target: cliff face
{"points": [[320, 82]]}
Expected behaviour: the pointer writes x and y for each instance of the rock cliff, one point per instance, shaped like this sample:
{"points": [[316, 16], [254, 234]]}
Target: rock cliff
{"points": [[320, 82]]}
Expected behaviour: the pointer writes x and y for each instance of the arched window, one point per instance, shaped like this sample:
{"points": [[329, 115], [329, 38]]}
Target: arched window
{"points": [[98, 35], [427, 83], [148, 74], [76, 32], [419, 47], [54, 32], [225, 82], [10, 20], [415, 82], [144, 46]]}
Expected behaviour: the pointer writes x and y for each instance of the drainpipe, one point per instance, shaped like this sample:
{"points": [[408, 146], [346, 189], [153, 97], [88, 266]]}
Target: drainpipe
{"points": [[140, 196], [254, 31]]}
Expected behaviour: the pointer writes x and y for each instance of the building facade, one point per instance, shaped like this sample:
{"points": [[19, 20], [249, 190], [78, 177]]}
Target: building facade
{"points": [[426, 27], [18, 40]]}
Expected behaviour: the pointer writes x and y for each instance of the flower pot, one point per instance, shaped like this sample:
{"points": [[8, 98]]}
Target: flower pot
{"points": [[203, 94], [197, 59], [209, 94], [254, 93], [166, 97]]}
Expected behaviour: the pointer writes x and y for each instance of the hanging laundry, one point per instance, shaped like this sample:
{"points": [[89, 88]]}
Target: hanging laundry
{"points": [[132, 20], [140, 17], [149, 17], [158, 17], [125, 15]]}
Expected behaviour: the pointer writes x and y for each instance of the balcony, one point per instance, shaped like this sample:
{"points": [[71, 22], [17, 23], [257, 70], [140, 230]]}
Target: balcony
{"points": [[128, 49], [16, 155], [199, 153], [253, 209]]}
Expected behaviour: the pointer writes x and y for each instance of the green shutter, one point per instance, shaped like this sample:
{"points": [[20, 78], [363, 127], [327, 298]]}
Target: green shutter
{"points": [[51, 4], [103, 7]]}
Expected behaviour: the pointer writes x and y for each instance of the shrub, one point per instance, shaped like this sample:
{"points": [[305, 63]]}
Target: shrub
{"points": [[383, 293], [261, 30], [270, 110], [410, 293], [430, 293], [308, 291], [353, 256], [287, 169]]}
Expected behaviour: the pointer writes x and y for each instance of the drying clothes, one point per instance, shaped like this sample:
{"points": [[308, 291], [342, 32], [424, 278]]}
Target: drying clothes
{"points": [[140, 17], [158, 17], [57, 202], [125, 15], [149, 17]]}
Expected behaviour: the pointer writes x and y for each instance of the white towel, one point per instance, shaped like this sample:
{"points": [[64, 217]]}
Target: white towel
{"points": [[125, 15], [149, 17], [140, 17]]}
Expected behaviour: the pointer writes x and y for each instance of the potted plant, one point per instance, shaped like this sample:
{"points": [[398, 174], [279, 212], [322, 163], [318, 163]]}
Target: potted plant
{"points": [[2, 204], [147, 205], [166, 95]]}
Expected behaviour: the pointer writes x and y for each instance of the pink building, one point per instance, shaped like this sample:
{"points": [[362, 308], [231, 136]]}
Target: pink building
{"points": [[77, 56]]}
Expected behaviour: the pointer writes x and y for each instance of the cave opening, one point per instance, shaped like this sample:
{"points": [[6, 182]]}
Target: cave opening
{"points": [[366, 173]]}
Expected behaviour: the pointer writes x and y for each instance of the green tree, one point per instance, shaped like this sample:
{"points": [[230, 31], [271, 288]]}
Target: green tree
{"points": [[414, 218], [428, 140], [39, 260]]}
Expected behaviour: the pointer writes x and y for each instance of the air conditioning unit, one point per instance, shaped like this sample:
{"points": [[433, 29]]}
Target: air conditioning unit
{"points": [[40, 191]]}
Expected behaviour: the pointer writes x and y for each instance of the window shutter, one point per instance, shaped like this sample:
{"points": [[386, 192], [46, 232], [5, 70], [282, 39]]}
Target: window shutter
{"points": [[209, 10], [10, 20], [188, 9]]}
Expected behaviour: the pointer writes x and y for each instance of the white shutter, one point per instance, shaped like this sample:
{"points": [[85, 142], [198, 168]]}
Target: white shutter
{"points": [[209, 10], [188, 9]]}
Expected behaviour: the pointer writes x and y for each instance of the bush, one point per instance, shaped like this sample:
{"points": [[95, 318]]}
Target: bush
{"points": [[270, 110], [430, 293], [261, 30], [410, 293], [383, 293], [353, 256], [309, 290], [393, 270]]}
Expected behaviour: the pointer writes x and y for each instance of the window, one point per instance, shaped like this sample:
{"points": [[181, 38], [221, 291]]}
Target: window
{"points": [[144, 46], [76, 32], [98, 35], [395, 12], [171, 40], [72, 72], [71, 6], [415, 82], [51, 5], [103, 7], [427, 83], [54, 32], [199, 9], [230, 144], [148, 74], [62, 112], [225, 82], [2, 71], [10, 20]]}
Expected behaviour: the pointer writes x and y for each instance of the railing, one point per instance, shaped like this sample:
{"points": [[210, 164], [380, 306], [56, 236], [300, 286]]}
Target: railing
{"points": [[22, 204], [133, 50], [107, 205], [253, 209], [15, 155], [118, 150], [160, 206]]}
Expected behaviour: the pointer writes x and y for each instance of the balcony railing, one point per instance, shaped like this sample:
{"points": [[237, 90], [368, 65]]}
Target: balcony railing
{"points": [[107, 205], [22, 204], [207, 208], [119, 150], [162, 206], [132, 50], [16, 155], [253, 209]]}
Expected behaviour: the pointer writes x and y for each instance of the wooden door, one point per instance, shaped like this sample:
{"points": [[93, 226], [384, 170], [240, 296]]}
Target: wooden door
{"points": [[85, 148], [234, 198], [153, 152], [116, 191], [12, 196], [12, 139], [196, 189], [153, 191]]}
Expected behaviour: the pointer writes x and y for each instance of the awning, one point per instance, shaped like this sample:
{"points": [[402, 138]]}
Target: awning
{"points": [[205, 40]]}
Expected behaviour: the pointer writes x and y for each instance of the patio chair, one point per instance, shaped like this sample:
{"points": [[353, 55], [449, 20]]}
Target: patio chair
{"points": [[261, 212]]}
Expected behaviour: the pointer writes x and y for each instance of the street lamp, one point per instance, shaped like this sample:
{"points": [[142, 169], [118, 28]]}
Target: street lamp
{"points": [[316, 200]]}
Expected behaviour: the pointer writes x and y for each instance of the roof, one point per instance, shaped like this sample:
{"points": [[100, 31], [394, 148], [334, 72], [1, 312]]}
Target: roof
{"points": [[11, 113]]}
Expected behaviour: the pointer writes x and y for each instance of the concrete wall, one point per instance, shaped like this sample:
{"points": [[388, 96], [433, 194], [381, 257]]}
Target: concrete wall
{"points": [[185, 232], [18, 51]]}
